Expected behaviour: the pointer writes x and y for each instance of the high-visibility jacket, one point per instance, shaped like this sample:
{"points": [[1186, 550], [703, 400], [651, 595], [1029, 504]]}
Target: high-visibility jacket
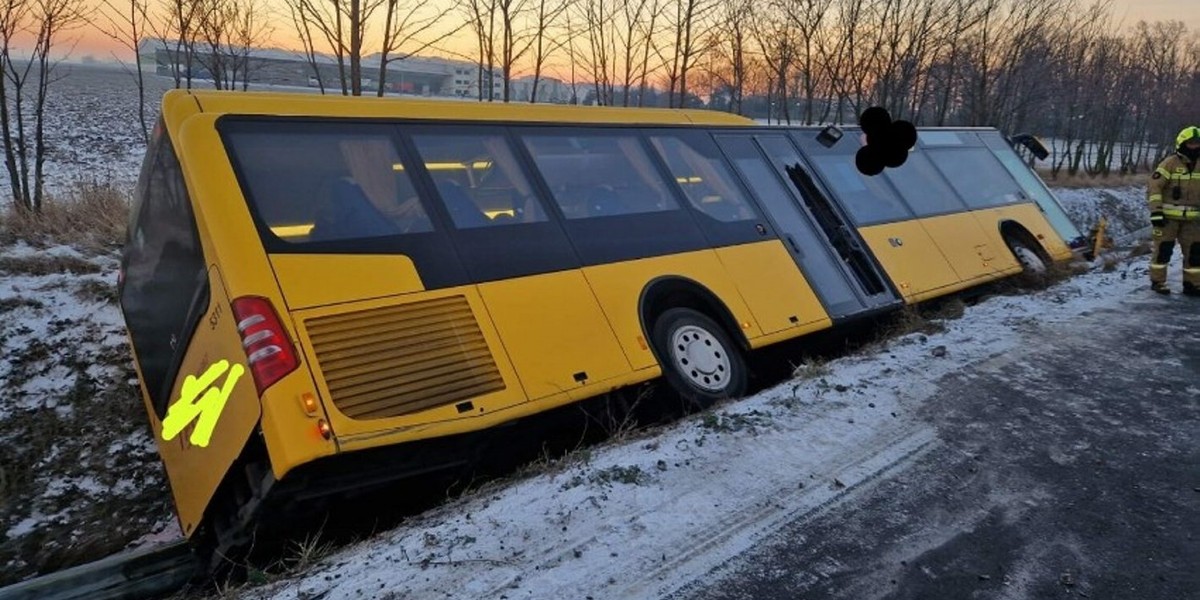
{"points": [[1175, 189]]}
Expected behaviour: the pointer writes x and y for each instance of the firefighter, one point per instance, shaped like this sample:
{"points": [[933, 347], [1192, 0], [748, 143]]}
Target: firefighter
{"points": [[1174, 198]]}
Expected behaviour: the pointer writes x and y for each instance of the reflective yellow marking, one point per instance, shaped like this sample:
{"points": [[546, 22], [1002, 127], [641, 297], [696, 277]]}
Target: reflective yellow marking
{"points": [[207, 409], [292, 230], [478, 165]]}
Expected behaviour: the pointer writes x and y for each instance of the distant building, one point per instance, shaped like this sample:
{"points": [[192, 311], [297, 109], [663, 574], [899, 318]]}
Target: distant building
{"points": [[424, 76], [548, 90]]}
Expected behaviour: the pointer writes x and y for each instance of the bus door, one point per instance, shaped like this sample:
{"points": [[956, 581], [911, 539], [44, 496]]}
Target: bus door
{"points": [[821, 241]]}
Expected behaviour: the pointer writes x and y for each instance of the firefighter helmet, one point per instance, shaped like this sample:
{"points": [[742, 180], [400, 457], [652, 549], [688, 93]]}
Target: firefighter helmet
{"points": [[1187, 135]]}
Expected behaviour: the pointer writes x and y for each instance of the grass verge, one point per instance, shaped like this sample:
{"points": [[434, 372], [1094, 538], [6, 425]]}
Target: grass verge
{"points": [[90, 216], [1083, 180]]}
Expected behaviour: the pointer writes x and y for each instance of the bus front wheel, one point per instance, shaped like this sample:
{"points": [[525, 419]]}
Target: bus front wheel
{"points": [[698, 357], [1031, 261]]}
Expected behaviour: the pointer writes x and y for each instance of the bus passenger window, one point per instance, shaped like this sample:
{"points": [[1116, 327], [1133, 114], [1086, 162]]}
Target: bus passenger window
{"points": [[923, 187], [977, 176], [599, 175], [479, 180], [373, 164], [462, 208], [324, 182], [704, 179], [868, 199], [347, 213]]}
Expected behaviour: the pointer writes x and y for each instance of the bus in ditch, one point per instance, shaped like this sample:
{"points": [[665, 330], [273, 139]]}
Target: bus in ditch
{"points": [[326, 293]]}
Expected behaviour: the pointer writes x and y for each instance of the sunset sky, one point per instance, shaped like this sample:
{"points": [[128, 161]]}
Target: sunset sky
{"points": [[93, 43]]}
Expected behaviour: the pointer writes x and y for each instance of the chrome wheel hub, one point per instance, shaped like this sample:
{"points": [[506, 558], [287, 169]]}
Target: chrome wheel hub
{"points": [[700, 357]]}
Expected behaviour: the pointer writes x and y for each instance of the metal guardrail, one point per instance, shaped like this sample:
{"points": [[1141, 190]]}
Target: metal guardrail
{"points": [[126, 576]]}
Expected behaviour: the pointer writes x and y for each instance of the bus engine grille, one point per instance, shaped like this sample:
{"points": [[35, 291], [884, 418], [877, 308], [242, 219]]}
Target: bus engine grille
{"points": [[396, 360]]}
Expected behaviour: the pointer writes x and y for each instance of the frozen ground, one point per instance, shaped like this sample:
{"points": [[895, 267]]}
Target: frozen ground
{"points": [[79, 473]]}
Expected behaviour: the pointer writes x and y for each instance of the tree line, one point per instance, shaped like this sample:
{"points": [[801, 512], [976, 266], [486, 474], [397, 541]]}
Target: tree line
{"points": [[1109, 97]]}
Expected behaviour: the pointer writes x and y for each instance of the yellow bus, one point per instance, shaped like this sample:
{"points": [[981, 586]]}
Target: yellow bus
{"points": [[312, 283]]}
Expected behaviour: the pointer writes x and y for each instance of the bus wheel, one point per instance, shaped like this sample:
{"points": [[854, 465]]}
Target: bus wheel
{"points": [[1031, 262], [698, 358]]}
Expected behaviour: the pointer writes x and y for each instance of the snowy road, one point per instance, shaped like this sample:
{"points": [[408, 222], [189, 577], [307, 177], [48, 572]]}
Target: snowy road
{"points": [[1066, 467]]}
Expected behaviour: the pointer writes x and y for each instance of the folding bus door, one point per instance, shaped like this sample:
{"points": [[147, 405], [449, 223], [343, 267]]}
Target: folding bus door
{"points": [[821, 241]]}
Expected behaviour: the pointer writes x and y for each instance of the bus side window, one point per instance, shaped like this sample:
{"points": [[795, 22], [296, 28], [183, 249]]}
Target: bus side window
{"points": [[326, 182], [478, 180], [463, 210], [347, 213], [599, 175], [705, 180], [372, 163]]}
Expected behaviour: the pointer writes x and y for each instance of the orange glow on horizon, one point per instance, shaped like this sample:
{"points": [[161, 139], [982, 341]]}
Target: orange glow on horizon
{"points": [[90, 41]]}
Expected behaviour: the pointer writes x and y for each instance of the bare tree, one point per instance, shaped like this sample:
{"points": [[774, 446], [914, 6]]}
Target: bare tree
{"points": [[47, 21], [948, 59], [410, 28], [776, 40], [13, 15], [339, 25], [727, 60], [634, 21], [250, 31], [599, 59], [481, 15], [1170, 63], [547, 38], [805, 21], [304, 30], [230, 30], [1076, 44], [126, 22], [514, 40], [647, 32], [689, 23], [177, 29]]}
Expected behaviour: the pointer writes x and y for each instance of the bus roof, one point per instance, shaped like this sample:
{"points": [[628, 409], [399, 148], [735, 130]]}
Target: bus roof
{"points": [[318, 105]]}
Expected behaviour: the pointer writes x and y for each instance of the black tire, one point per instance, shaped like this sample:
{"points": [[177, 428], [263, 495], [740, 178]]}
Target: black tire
{"points": [[1032, 262], [698, 357]]}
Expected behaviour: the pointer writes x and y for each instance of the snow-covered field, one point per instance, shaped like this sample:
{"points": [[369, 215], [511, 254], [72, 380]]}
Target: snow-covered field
{"points": [[79, 473], [92, 128], [79, 476]]}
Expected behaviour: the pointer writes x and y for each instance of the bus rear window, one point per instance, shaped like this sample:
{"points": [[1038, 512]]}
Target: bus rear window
{"points": [[164, 290]]}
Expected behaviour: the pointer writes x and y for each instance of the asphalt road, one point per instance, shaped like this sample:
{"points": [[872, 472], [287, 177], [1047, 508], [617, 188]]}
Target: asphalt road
{"points": [[1068, 469]]}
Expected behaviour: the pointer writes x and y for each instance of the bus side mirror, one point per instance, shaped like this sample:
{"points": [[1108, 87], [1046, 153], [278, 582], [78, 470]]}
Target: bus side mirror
{"points": [[1031, 143]]}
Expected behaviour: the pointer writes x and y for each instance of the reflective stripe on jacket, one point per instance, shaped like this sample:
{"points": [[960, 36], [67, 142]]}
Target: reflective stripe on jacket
{"points": [[1176, 182], [1183, 213]]}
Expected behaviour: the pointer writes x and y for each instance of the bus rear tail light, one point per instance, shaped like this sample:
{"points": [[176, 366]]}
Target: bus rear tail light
{"points": [[268, 349]]}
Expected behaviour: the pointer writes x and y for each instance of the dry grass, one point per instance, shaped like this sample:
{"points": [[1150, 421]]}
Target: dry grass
{"points": [[912, 319], [90, 216], [46, 265], [1083, 180], [810, 368]]}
